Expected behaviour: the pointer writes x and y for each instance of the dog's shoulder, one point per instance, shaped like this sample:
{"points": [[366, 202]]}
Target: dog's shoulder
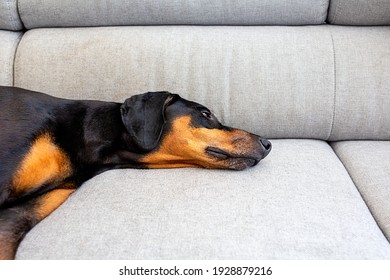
{"points": [[23, 115], [80, 129]]}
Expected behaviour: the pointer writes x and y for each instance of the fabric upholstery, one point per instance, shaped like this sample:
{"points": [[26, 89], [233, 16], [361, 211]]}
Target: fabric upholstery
{"points": [[325, 82], [359, 12], [362, 99], [9, 16], [8, 43], [368, 163], [299, 203], [252, 77], [61, 13], [304, 201]]}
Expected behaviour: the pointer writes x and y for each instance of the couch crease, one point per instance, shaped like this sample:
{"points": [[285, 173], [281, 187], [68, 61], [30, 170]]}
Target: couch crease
{"points": [[362, 197], [335, 84], [13, 60]]}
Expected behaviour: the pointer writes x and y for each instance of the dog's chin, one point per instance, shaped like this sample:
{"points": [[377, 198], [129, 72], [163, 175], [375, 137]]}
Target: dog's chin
{"points": [[241, 163], [228, 161]]}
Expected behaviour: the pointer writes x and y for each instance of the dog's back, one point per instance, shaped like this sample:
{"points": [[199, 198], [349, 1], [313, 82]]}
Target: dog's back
{"points": [[22, 115]]}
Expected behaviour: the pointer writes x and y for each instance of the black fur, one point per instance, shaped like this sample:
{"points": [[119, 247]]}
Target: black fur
{"points": [[143, 117], [95, 136], [91, 133]]}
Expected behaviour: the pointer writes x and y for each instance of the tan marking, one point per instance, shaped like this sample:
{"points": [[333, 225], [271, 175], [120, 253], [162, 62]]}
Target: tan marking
{"points": [[185, 146], [51, 201], [44, 163]]}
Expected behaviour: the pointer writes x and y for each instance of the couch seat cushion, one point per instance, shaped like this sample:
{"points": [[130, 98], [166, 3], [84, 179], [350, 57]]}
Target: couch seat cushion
{"points": [[299, 203], [368, 163]]}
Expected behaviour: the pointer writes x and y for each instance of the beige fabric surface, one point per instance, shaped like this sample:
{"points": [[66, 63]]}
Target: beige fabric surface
{"points": [[368, 163], [359, 12], [274, 81], [325, 82], [362, 104], [8, 43], [78, 13], [299, 203]]}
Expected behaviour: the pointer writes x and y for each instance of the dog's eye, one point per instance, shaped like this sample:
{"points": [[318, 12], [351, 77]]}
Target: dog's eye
{"points": [[206, 114]]}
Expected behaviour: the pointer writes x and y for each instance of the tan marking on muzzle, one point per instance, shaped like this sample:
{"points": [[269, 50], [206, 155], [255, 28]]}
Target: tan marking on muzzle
{"points": [[185, 146]]}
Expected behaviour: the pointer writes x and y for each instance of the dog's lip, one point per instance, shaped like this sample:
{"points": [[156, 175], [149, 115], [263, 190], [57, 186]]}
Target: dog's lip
{"points": [[221, 154]]}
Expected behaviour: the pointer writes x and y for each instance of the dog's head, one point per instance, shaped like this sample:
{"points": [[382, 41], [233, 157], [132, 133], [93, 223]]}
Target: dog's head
{"points": [[173, 132]]}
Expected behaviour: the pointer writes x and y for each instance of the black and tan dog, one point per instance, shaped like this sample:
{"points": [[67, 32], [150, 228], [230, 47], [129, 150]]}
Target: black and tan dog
{"points": [[50, 146]]}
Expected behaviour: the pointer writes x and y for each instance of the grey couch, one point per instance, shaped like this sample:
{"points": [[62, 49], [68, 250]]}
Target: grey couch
{"points": [[313, 75]]}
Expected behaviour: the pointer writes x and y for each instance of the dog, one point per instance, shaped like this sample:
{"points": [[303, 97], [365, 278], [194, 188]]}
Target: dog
{"points": [[49, 146]]}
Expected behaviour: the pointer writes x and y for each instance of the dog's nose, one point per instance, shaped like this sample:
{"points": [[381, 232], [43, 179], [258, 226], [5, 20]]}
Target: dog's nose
{"points": [[267, 146]]}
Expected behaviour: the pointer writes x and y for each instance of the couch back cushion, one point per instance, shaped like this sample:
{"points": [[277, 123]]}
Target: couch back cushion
{"points": [[359, 12], [362, 86], [275, 81], [324, 82], [57, 13], [8, 43], [9, 16]]}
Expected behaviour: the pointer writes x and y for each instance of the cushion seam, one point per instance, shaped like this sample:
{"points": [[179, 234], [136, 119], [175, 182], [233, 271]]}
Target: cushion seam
{"points": [[15, 46], [360, 193], [334, 86], [18, 7], [10, 17]]}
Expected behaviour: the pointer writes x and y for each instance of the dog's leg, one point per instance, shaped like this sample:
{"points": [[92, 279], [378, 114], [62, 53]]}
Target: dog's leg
{"points": [[17, 220]]}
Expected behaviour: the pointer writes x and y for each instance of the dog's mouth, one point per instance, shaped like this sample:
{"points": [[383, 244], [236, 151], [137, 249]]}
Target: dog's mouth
{"points": [[233, 161]]}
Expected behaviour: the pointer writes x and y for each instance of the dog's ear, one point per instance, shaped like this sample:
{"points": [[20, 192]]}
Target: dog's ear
{"points": [[143, 116]]}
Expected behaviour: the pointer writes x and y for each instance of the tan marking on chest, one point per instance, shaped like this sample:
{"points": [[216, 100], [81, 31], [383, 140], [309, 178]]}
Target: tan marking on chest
{"points": [[44, 163]]}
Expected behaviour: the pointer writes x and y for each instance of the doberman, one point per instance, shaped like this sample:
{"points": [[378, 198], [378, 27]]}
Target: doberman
{"points": [[49, 146]]}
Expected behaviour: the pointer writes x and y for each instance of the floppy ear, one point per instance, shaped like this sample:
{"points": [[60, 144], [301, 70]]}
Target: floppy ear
{"points": [[143, 117]]}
